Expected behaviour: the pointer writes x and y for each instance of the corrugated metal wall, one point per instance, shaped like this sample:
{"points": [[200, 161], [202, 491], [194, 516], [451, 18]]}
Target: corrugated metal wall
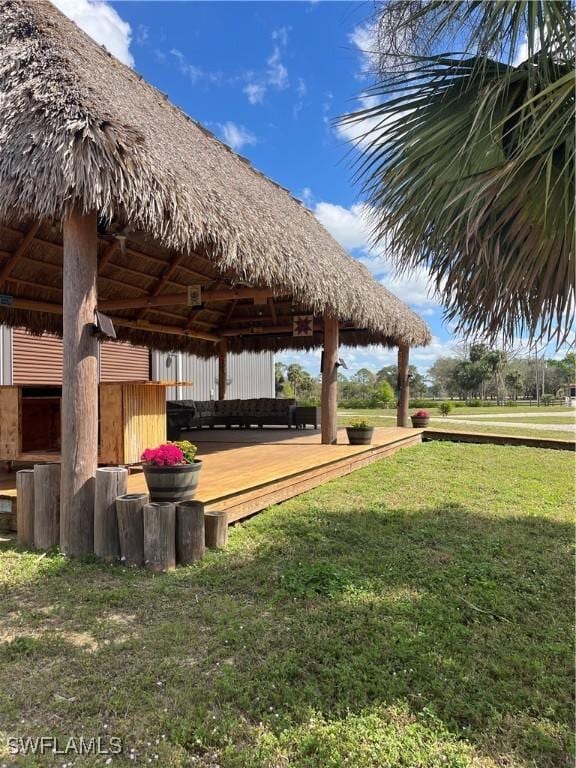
{"points": [[5, 355], [250, 374], [27, 359], [36, 359], [123, 362]]}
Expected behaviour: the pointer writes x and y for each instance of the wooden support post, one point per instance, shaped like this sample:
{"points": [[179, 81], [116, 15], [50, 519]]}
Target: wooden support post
{"points": [[25, 507], [111, 482], [79, 385], [130, 513], [402, 418], [216, 527], [222, 368], [160, 536], [329, 402], [189, 532], [46, 505]]}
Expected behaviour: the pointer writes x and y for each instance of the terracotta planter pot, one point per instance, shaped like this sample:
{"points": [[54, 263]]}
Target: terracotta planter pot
{"points": [[177, 483], [420, 421], [360, 436]]}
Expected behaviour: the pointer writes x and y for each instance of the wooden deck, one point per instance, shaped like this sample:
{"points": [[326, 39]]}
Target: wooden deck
{"points": [[245, 471]]}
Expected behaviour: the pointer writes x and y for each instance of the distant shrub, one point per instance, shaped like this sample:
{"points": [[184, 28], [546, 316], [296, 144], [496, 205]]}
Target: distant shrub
{"points": [[547, 399], [423, 403], [355, 403], [474, 403], [512, 403], [445, 408]]}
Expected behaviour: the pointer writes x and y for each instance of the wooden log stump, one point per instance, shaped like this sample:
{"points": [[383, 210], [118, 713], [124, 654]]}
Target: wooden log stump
{"points": [[46, 505], [160, 536], [130, 515], [189, 532], [111, 482], [25, 507], [216, 526]]}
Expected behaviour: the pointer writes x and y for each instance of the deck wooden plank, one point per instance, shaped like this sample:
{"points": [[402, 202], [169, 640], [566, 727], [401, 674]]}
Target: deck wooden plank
{"points": [[244, 472]]}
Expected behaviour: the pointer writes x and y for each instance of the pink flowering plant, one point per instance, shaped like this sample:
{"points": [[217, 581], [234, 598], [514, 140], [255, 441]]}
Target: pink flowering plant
{"points": [[170, 454], [422, 414]]}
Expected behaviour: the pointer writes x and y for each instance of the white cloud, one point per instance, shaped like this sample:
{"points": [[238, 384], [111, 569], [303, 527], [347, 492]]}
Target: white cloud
{"points": [[351, 227], [301, 91], [255, 93], [306, 196], [188, 70], [103, 24], [281, 35], [236, 135], [347, 225], [365, 38], [414, 288], [277, 73]]}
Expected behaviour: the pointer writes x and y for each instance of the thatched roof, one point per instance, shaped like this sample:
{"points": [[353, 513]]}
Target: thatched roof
{"points": [[79, 127]]}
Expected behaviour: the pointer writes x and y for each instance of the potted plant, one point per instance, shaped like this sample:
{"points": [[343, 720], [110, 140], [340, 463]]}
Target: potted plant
{"points": [[171, 471], [420, 418], [359, 432]]}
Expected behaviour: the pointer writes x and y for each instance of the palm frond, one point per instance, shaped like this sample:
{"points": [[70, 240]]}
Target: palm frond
{"points": [[469, 170]]}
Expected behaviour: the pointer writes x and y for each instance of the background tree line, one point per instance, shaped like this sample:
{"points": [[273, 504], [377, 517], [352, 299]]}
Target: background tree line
{"points": [[478, 372]]}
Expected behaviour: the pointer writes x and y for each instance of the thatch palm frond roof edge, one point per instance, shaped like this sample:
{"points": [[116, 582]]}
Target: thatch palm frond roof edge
{"points": [[79, 127]]}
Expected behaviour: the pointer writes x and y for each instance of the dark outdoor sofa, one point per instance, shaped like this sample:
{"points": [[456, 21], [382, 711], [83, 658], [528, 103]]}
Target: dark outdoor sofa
{"points": [[183, 415]]}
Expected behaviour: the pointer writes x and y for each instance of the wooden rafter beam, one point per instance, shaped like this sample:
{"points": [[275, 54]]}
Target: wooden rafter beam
{"points": [[21, 249], [108, 254], [181, 299], [130, 251], [161, 282], [271, 330], [58, 268], [273, 312], [56, 309]]}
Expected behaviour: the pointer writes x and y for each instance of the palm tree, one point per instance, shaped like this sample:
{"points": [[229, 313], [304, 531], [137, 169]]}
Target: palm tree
{"points": [[468, 159]]}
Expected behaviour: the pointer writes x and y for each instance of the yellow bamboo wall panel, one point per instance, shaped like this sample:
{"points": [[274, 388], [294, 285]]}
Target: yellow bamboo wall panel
{"points": [[144, 426], [9, 422]]}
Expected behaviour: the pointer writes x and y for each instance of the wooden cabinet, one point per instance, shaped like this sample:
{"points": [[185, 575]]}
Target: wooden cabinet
{"points": [[132, 417]]}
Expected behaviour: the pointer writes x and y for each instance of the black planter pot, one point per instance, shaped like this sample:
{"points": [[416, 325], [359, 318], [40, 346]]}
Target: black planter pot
{"points": [[419, 421], [360, 436], [176, 483]]}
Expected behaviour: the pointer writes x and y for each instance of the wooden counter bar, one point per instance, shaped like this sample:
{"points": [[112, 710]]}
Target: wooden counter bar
{"points": [[132, 417]]}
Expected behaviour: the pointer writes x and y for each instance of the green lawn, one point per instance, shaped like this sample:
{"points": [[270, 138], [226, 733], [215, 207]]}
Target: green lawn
{"points": [[483, 411], [387, 417], [547, 419], [415, 614]]}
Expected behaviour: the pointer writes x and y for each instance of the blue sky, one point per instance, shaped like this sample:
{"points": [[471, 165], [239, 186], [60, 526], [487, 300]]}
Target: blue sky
{"points": [[269, 78]]}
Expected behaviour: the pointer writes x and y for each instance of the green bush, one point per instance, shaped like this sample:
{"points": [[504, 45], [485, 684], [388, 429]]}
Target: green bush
{"points": [[547, 399], [512, 403], [445, 408], [474, 403]]}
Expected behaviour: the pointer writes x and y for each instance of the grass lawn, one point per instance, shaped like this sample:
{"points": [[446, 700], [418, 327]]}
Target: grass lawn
{"points": [[414, 614], [548, 419], [386, 417]]}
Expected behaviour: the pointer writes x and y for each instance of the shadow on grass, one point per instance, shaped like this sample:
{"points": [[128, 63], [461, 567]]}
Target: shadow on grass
{"points": [[441, 612]]}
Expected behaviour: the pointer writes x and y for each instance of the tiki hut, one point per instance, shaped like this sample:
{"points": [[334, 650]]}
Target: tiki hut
{"points": [[113, 199]]}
